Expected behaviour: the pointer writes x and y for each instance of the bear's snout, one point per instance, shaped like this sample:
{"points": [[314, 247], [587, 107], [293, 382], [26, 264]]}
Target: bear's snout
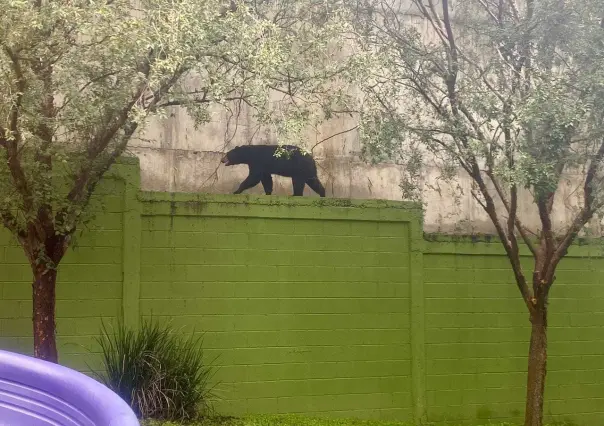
{"points": [[225, 161]]}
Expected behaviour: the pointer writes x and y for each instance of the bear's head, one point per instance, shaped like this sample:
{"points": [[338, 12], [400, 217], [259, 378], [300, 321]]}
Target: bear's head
{"points": [[234, 156]]}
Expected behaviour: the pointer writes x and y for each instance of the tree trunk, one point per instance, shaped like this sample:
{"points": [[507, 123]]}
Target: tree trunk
{"points": [[535, 388], [45, 345]]}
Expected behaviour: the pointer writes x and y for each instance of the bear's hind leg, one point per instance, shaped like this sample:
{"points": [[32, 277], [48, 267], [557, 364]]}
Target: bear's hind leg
{"points": [[315, 185], [267, 183]]}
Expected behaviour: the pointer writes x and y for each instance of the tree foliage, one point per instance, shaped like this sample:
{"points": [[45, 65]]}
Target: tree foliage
{"points": [[511, 93], [80, 78]]}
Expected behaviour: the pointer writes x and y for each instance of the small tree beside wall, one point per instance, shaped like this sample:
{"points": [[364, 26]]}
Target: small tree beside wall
{"points": [[79, 79], [511, 93]]}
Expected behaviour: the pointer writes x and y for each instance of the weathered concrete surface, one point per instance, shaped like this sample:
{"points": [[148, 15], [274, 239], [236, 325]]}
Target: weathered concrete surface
{"points": [[176, 157]]}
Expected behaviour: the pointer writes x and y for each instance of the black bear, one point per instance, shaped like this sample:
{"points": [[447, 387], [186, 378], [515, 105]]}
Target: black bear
{"points": [[263, 163]]}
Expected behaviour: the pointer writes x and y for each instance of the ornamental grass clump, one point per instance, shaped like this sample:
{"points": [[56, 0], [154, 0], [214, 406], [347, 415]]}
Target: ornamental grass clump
{"points": [[160, 373]]}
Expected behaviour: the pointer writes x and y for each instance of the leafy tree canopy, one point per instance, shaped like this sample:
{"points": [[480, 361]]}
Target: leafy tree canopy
{"points": [[79, 78]]}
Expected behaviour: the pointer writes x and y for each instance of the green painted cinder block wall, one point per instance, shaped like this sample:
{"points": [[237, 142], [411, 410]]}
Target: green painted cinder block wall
{"points": [[477, 331], [331, 307], [306, 302]]}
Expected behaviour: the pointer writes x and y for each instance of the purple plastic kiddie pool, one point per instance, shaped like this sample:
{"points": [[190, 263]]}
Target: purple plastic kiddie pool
{"points": [[39, 393]]}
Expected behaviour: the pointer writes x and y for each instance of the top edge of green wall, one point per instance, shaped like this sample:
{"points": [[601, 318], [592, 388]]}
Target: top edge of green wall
{"points": [[273, 200]]}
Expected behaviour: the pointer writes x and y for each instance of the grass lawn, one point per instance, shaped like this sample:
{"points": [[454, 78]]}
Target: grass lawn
{"points": [[291, 420]]}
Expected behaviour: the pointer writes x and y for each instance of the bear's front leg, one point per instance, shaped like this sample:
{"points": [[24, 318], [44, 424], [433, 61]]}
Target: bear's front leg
{"points": [[249, 182], [298, 184]]}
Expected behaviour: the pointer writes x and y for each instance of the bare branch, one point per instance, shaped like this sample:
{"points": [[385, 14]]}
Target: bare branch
{"points": [[514, 258], [488, 11], [545, 204], [511, 250], [477, 199], [514, 8], [89, 174], [203, 100], [12, 135], [511, 222], [451, 78], [85, 86], [333, 136], [121, 146], [588, 197], [584, 215], [546, 248], [516, 220], [434, 20]]}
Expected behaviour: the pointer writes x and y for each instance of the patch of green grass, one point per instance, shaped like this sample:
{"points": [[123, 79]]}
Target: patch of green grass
{"points": [[279, 420], [292, 420]]}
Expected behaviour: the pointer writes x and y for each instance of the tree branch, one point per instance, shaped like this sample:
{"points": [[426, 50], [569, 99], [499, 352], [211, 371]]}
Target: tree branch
{"points": [[334, 135], [434, 20], [10, 222], [203, 100], [129, 130], [85, 86], [512, 252], [521, 228], [512, 216], [90, 173], [12, 136], [488, 11], [584, 215], [453, 65], [514, 8]]}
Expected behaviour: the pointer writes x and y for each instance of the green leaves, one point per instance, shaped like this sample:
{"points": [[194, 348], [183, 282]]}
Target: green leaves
{"points": [[526, 102], [79, 79]]}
